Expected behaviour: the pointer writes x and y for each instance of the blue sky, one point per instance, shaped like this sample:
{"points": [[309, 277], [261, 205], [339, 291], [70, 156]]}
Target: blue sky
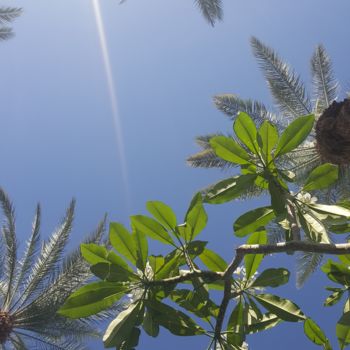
{"points": [[58, 139]]}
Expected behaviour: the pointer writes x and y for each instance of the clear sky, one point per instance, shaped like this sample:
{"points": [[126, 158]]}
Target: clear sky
{"points": [[58, 138]]}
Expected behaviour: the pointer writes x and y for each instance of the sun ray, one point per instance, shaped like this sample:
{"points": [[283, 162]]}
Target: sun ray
{"points": [[113, 100]]}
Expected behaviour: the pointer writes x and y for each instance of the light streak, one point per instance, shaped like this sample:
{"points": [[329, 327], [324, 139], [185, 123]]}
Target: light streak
{"points": [[113, 99]]}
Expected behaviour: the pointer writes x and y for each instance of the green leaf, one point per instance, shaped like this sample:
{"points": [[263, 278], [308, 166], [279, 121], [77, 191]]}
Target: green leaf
{"points": [[336, 272], [229, 150], [252, 261], [278, 196], [283, 308], [343, 330], [331, 210], [151, 228], [294, 134], [245, 130], [132, 340], [194, 303], [196, 216], [141, 249], [340, 228], [112, 273], [334, 298], [321, 177], [122, 241], [163, 213], [253, 220], [174, 320], [229, 189], [93, 253], [169, 268], [93, 298], [212, 260], [272, 278], [313, 227], [235, 325], [268, 321], [267, 139], [121, 327], [149, 324], [315, 333]]}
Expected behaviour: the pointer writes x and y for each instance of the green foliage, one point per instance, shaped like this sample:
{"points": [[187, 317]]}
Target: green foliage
{"points": [[160, 291]]}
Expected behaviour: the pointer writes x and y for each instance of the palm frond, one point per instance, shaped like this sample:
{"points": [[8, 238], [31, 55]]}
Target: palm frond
{"points": [[6, 33], [206, 158], [307, 263], [50, 255], [31, 250], [211, 10], [324, 84], [285, 85], [231, 104], [8, 14], [9, 236]]}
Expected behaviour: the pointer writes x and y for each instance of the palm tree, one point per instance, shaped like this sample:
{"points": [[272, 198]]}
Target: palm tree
{"points": [[291, 100], [33, 288], [211, 9], [8, 15], [328, 142]]}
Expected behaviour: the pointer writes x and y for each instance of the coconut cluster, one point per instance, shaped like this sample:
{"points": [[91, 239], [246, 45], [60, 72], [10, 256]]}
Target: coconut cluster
{"points": [[333, 133], [6, 326]]}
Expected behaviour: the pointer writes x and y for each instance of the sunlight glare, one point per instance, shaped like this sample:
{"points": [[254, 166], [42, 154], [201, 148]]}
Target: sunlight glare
{"points": [[113, 100]]}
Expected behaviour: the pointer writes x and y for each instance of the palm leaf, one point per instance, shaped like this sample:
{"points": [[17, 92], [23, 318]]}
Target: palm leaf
{"points": [[8, 14], [30, 253], [74, 273], [307, 263], [6, 33], [9, 237], [50, 255], [285, 85], [211, 10], [207, 158], [232, 104], [324, 84]]}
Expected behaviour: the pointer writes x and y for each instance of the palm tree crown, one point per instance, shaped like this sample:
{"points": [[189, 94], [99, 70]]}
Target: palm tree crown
{"points": [[33, 288], [292, 100]]}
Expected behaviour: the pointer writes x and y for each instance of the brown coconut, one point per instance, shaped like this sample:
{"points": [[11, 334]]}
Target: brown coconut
{"points": [[6, 326], [333, 133]]}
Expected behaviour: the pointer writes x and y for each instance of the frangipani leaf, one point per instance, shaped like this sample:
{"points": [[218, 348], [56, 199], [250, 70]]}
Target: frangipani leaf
{"points": [[229, 150], [272, 278], [315, 334], [196, 216], [334, 298], [252, 261], [321, 177], [268, 321], [336, 272], [93, 298], [175, 321], [343, 330], [229, 189], [163, 213], [121, 327], [267, 139], [212, 260], [122, 241], [283, 308], [253, 220], [295, 133], [151, 228], [245, 130]]}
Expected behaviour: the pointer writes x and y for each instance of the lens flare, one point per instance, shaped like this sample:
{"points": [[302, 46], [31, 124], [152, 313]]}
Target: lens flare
{"points": [[113, 99]]}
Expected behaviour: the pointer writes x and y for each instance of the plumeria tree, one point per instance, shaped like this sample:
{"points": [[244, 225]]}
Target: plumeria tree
{"points": [[175, 290]]}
